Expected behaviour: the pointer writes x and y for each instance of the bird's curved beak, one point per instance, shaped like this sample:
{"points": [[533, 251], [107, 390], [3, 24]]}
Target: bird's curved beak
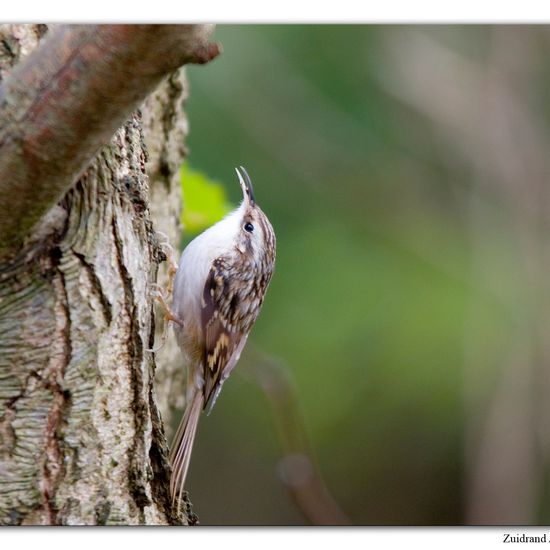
{"points": [[246, 185]]}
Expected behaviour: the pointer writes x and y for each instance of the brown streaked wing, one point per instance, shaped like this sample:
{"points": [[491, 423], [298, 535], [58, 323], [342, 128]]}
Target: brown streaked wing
{"points": [[220, 341]]}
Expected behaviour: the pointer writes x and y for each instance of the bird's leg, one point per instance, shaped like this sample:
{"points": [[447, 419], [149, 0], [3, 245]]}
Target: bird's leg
{"points": [[162, 295]]}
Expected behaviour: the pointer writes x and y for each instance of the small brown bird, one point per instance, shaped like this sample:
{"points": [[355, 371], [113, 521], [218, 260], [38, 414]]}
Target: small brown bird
{"points": [[219, 288]]}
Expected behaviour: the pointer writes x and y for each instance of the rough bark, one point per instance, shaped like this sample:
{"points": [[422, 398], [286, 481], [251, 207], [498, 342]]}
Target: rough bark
{"points": [[81, 437]]}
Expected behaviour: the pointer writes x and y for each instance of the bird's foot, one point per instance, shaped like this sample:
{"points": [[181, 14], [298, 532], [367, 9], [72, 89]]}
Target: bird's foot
{"points": [[162, 295], [158, 294]]}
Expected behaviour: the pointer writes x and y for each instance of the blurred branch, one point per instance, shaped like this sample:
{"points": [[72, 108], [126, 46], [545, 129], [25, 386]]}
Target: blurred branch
{"points": [[487, 110], [297, 468], [504, 471], [477, 108], [64, 102]]}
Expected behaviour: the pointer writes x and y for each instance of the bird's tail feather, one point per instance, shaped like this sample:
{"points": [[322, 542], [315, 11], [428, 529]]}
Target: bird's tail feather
{"points": [[180, 454]]}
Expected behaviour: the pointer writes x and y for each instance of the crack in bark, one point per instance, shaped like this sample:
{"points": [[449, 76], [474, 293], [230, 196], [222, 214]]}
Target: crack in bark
{"points": [[52, 463], [96, 287], [136, 479]]}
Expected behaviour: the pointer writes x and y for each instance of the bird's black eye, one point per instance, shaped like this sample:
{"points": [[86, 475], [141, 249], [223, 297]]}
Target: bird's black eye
{"points": [[248, 227]]}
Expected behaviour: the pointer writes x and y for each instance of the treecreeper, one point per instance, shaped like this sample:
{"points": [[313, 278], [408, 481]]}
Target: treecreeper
{"points": [[219, 288]]}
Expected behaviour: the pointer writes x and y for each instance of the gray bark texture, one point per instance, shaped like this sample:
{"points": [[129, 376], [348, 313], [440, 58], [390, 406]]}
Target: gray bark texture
{"points": [[81, 436]]}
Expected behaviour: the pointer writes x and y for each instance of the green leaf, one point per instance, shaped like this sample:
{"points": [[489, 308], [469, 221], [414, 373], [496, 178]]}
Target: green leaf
{"points": [[204, 200]]}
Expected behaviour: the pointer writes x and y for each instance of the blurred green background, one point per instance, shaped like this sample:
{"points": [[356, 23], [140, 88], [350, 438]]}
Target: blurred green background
{"points": [[405, 170]]}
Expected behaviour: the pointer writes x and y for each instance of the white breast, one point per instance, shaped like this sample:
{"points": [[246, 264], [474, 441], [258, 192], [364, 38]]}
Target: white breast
{"points": [[194, 267]]}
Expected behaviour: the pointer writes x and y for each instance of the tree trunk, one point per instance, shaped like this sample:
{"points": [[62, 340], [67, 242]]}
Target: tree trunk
{"points": [[81, 437]]}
